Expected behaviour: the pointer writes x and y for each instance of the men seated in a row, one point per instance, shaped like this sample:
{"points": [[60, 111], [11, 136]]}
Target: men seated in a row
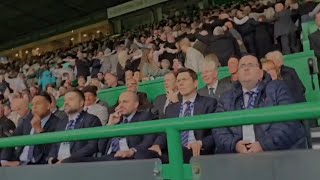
{"points": [[254, 89]]}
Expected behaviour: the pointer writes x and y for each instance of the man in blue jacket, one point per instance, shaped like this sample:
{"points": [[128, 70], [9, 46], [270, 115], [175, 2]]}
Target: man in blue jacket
{"points": [[255, 89]]}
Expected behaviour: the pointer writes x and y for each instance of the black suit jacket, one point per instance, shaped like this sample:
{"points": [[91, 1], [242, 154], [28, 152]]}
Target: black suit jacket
{"points": [[202, 105], [292, 80], [158, 105], [142, 142], [78, 148], [40, 152], [315, 43]]}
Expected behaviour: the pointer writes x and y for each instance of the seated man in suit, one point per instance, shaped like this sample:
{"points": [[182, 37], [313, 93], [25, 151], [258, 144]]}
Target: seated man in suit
{"points": [[256, 89], [144, 104], [210, 71], [121, 148], [40, 121], [194, 143], [314, 38], [66, 152], [172, 96]]}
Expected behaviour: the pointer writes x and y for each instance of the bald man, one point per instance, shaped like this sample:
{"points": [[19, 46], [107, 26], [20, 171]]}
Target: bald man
{"points": [[256, 89], [124, 148]]}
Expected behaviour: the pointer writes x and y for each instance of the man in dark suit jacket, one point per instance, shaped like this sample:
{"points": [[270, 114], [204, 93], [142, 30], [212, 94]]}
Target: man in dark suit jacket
{"points": [[77, 119], [209, 70], [194, 143], [172, 96], [256, 89], [39, 121], [125, 147], [314, 38]]}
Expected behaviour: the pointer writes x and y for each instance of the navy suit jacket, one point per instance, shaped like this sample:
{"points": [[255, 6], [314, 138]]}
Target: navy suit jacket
{"points": [[275, 136], [78, 149], [40, 152], [142, 142], [202, 105]]}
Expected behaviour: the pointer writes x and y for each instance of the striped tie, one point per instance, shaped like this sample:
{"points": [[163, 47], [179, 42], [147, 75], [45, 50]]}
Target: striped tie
{"points": [[115, 145], [185, 134]]}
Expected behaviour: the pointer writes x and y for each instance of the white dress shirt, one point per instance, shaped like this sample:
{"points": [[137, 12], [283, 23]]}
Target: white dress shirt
{"points": [[191, 136], [248, 130], [123, 145], [24, 155], [215, 86], [64, 149]]}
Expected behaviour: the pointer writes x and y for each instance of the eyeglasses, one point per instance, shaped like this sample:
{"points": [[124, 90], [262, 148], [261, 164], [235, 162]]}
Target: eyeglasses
{"points": [[250, 65]]}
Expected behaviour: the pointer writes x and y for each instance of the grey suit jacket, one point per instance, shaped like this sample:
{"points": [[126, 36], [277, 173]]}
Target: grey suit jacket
{"points": [[221, 88], [283, 24], [158, 106]]}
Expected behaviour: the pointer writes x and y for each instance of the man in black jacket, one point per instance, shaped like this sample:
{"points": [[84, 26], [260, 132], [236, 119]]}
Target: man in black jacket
{"points": [[194, 142], [224, 45], [40, 121]]}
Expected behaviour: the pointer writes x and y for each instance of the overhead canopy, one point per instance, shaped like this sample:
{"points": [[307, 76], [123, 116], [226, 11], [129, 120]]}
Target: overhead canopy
{"points": [[21, 19]]}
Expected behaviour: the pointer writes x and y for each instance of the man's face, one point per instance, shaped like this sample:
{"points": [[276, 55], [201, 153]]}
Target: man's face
{"points": [[72, 103], [19, 106], [209, 75], [40, 106], [170, 82], [90, 99], [110, 79], [81, 81], [233, 64], [318, 19], [100, 76], [249, 72], [127, 104], [185, 84], [132, 85]]}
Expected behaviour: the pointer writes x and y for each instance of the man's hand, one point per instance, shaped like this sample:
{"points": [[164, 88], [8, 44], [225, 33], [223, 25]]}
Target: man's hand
{"points": [[10, 164], [157, 149], [36, 124], [114, 118], [172, 96], [241, 146], [125, 154], [254, 147], [196, 147]]}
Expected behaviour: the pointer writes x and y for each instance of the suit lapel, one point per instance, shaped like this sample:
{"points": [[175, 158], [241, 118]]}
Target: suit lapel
{"points": [[198, 106], [78, 125]]}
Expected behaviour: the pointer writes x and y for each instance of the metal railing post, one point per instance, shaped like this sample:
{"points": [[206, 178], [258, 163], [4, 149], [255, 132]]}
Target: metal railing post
{"points": [[175, 154]]}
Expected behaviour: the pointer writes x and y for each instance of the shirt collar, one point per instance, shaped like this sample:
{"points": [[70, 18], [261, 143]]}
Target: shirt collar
{"points": [[45, 120], [129, 117], [73, 116], [191, 100], [215, 85], [254, 90]]}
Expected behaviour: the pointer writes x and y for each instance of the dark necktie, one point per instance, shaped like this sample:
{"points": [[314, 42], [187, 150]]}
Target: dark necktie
{"points": [[71, 124], [211, 92], [115, 145], [251, 100], [185, 134]]}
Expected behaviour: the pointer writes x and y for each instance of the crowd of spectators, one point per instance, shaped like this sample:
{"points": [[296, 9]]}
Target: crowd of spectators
{"points": [[249, 38]]}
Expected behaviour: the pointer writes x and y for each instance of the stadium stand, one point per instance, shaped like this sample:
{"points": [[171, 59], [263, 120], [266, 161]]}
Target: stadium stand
{"points": [[257, 117]]}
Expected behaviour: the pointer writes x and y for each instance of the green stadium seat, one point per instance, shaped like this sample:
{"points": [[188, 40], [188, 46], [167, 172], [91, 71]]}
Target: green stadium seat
{"points": [[307, 29]]}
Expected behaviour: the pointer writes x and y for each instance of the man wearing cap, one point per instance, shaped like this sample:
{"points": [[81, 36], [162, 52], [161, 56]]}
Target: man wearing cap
{"points": [[91, 105], [40, 121]]}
